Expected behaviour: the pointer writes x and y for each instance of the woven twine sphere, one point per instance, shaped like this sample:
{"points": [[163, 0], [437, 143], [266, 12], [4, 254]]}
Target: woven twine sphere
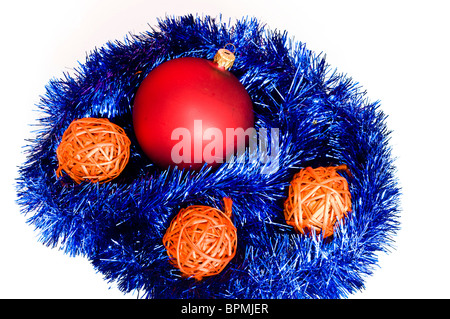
{"points": [[201, 240], [93, 149], [317, 199]]}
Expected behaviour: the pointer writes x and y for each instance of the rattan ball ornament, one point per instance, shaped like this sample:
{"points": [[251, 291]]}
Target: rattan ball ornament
{"points": [[201, 240], [93, 149], [317, 199]]}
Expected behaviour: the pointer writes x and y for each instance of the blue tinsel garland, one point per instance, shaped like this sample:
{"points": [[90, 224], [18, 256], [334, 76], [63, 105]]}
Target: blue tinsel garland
{"points": [[323, 117]]}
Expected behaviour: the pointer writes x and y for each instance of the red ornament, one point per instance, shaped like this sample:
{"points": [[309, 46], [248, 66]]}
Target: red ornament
{"points": [[183, 108]]}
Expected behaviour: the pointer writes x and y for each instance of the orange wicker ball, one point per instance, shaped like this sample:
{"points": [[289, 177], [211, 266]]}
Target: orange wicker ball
{"points": [[317, 199], [201, 240], [93, 149]]}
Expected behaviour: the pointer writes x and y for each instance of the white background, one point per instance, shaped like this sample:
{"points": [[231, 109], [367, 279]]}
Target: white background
{"points": [[397, 50]]}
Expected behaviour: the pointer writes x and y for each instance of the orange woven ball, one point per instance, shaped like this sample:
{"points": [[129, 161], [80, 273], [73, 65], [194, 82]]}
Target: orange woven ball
{"points": [[317, 199], [93, 149], [201, 240]]}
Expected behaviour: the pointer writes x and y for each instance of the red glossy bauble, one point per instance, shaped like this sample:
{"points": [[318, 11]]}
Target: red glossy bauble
{"points": [[182, 111]]}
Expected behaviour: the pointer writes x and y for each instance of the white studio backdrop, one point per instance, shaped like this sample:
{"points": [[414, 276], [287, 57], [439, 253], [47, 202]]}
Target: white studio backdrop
{"points": [[397, 50]]}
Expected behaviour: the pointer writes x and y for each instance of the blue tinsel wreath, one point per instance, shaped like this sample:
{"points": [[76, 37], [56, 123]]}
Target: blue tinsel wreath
{"points": [[324, 119]]}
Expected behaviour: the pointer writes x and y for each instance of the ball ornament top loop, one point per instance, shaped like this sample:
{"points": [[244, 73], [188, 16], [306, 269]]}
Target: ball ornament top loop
{"points": [[225, 58]]}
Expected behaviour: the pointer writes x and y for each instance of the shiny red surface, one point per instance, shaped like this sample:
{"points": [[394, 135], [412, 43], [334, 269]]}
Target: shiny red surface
{"points": [[180, 91]]}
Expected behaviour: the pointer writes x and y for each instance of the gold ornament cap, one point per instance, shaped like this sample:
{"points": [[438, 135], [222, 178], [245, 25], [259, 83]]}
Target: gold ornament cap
{"points": [[225, 58]]}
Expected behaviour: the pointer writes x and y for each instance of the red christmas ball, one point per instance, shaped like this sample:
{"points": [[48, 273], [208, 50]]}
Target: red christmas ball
{"points": [[182, 111]]}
